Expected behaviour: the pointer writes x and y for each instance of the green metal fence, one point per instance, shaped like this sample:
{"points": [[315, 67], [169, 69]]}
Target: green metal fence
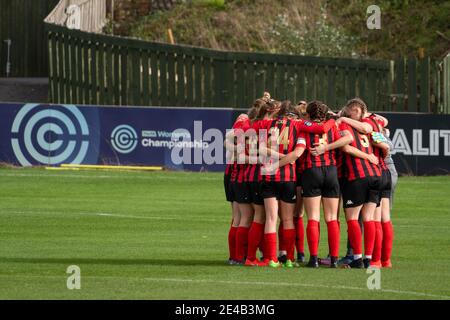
{"points": [[87, 68], [99, 69], [417, 85], [446, 84], [21, 21]]}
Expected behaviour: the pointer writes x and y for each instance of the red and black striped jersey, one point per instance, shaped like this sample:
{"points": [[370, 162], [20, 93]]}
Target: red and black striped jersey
{"points": [[288, 139], [252, 170], [376, 126], [313, 139], [315, 127], [357, 168], [299, 165], [237, 169]]}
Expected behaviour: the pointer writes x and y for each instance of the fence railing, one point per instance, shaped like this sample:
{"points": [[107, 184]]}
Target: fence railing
{"points": [[445, 65], [92, 14], [89, 68], [417, 85], [23, 45]]}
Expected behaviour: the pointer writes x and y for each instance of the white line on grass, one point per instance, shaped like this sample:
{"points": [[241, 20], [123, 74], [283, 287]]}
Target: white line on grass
{"points": [[105, 214], [123, 176], [258, 283], [192, 218], [247, 283]]}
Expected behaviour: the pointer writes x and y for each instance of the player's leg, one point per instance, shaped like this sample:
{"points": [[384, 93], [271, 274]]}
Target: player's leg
{"points": [[270, 194], [245, 222], [368, 215], [376, 256], [354, 196], [354, 234], [246, 210], [386, 223], [236, 217], [299, 228], [282, 251], [388, 233], [330, 201], [287, 217], [312, 208], [348, 258], [330, 208], [256, 232], [270, 233]]}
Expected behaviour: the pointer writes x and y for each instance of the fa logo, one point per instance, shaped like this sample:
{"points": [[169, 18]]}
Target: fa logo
{"points": [[374, 21], [74, 280], [374, 281]]}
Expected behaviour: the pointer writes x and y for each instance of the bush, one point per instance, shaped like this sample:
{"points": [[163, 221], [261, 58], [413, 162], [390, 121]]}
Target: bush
{"points": [[317, 39]]}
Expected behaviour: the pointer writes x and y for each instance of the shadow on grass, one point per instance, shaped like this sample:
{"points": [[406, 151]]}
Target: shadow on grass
{"points": [[129, 262]]}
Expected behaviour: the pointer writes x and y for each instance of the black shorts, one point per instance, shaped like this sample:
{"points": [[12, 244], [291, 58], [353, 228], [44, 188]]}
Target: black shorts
{"points": [[299, 179], [284, 191], [227, 186], [241, 192], [361, 191], [321, 181], [256, 193], [342, 182], [386, 184]]}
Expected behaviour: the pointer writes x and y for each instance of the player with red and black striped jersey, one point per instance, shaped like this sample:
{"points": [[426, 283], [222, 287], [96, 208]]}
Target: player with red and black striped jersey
{"points": [[382, 218], [230, 176], [242, 189], [319, 183], [361, 193], [279, 182], [299, 207], [253, 178], [340, 148]]}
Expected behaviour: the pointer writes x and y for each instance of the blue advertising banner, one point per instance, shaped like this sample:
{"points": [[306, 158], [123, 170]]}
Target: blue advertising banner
{"points": [[177, 138]]}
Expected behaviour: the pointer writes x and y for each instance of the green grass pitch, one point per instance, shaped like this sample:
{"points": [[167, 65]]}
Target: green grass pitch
{"points": [[163, 235]]}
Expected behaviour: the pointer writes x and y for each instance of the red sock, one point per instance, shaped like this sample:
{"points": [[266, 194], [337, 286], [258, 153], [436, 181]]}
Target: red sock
{"points": [[333, 238], [354, 235], [254, 239], [289, 239], [262, 244], [232, 242], [388, 238], [313, 236], [281, 241], [241, 242], [270, 246], [376, 256], [369, 237], [300, 235]]}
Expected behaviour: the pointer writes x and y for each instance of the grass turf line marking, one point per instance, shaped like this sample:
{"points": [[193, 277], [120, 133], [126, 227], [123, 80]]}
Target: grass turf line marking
{"points": [[105, 214], [298, 285], [94, 176], [195, 218], [249, 283]]}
